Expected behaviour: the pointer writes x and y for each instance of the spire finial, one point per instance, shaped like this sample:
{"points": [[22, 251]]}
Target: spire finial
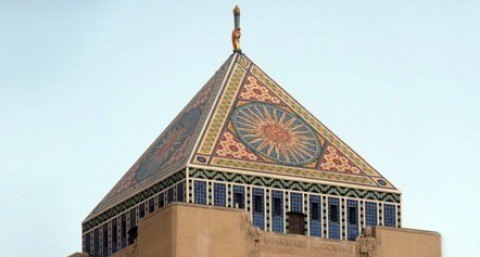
{"points": [[236, 31]]}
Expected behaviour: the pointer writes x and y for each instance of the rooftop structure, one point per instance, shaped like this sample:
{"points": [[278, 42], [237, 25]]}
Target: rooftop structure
{"points": [[243, 142]]}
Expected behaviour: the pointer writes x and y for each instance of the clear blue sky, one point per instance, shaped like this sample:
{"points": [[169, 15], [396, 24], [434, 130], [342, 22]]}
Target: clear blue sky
{"points": [[86, 86]]}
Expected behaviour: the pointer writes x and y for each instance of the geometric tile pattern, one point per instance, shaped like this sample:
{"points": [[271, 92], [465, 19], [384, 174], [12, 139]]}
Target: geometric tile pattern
{"points": [[231, 147], [241, 121], [293, 185], [133, 200], [220, 114], [268, 168], [286, 138], [242, 134], [334, 160], [253, 90], [171, 150], [317, 125], [276, 134]]}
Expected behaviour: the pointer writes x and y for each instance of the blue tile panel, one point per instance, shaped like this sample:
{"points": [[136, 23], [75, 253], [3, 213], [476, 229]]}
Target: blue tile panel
{"points": [[114, 235], [296, 202], [171, 195], [87, 244], [258, 208], [96, 242], [352, 219], [123, 230], [333, 218], [277, 211], [161, 200], [200, 189], [133, 217], [141, 210], [151, 205], [315, 215], [219, 194], [390, 217], [105, 251], [371, 216], [180, 192], [240, 192]]}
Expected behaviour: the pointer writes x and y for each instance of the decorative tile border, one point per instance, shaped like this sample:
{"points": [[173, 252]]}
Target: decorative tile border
{"points": [[294, 185], [293, 171], [222, 109], [132, 201], [317, 125]]}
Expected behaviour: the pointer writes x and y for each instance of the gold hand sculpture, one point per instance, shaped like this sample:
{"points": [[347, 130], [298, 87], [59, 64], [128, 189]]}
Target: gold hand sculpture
{"points": [[236, 40], [236, 31]]}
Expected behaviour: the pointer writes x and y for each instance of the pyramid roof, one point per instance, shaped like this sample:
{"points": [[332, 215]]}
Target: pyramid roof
{"points": [[241, 121]]}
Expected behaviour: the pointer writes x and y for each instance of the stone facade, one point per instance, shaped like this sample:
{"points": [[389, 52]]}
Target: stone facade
{"points": [[244, 142], [188, 230]]}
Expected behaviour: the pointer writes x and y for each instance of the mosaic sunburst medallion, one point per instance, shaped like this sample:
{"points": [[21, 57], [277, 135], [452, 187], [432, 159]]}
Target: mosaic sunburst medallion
{"points": [[276, 134], [167, 145]]}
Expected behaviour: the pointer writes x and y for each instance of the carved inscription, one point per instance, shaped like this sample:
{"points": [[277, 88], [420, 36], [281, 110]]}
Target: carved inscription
{"points": [[336, 248], [282, 245], [289, 242]]}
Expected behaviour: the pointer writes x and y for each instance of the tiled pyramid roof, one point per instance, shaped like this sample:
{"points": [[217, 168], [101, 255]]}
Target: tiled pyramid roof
{"points": [[242, 121]]}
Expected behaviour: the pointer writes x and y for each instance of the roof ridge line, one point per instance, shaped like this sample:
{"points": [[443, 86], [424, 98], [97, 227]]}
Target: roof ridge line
{"points": [[205, 124]]}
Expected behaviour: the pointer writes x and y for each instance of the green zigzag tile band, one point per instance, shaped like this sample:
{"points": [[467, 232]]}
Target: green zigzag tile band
{"points": [[134, 200], [295, 185]]}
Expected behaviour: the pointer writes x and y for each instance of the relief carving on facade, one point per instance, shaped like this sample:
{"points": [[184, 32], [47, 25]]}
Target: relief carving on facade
{"points": [[254, 233], [366, 243]]}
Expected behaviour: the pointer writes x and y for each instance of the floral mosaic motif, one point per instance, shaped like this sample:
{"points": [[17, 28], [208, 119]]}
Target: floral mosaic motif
{"points": [[152, 161], [126, 182], [334, 160], [254, 90], [168, 144], [276, 134], [230, 146]]}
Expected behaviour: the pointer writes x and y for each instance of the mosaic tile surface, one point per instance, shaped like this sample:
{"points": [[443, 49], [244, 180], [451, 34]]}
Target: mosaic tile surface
{"points": [[253, 90], [242, 120], [231, 147], [285, 138], [276, 134], [334, 160], [171, 150]]}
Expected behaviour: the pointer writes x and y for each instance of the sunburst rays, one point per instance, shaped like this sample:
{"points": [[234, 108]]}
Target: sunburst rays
{"points": [[276, 134]]}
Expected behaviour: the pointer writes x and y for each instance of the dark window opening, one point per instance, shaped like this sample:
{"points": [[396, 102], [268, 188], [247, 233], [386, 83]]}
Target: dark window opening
{"points": [[105, 239], [124, 230], [133, 217], [87, 243], [277, 207], [105, 242], [296, 223], [114, 234], [151, 205], [180, 197], [257, 201], [352, 215], [142, 210], [171, 195], [96, 242], [161, 201], [333, 212], [315, 212], [238, 200], [132, 235]]}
